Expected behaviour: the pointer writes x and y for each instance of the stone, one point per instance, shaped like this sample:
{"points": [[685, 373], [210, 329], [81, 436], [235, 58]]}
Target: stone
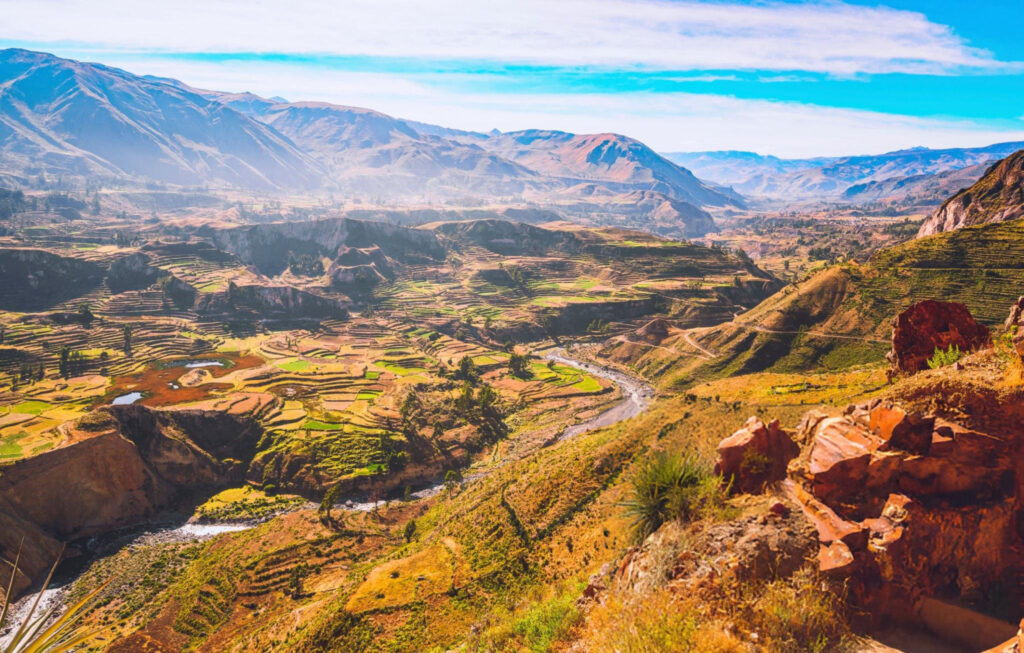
{"points": [[756, 454], [836, 559], [930, 325], [909, 431], [840, 453]]}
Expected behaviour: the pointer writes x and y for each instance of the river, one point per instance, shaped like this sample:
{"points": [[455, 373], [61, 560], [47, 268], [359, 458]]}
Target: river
{"points": [[636, 397]]}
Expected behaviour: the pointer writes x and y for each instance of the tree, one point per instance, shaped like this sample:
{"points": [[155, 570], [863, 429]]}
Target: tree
{"points": [[64, 365], [410, 530], [452, 478], [519, 366], [330, 498], [126, 332], [467, 370]]}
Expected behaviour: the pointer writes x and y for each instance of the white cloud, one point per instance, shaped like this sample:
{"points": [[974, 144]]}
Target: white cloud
{"points": [[665, 121], [830, 37]]}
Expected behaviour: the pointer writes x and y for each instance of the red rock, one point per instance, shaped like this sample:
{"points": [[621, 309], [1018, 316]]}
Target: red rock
{"points": [[839, 458], [830, 526], [930, 325], [909, 431], [755, 455], [836, 559]]}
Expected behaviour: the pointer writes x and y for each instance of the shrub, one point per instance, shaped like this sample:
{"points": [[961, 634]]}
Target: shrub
{"points": [[943, 358], [670, 487]]}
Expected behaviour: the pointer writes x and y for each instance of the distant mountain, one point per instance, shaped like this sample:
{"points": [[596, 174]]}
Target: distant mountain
{"points": [[915, 191], [74, 119], [65, 117], [366, 151], [736, 168], [830, 178], [617, 161], [996, 197]]}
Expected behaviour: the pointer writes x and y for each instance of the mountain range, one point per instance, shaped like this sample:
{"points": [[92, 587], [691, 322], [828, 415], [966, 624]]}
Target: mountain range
{"points": [[836, 178], [64, 117]]}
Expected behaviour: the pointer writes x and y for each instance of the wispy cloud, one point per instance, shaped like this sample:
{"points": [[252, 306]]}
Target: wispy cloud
{"points": [[830, 37]]}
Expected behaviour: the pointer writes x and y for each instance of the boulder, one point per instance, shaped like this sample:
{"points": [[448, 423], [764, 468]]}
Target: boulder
{"points": [[756, 454], [930, 325], [840, 454], [909, 431]]}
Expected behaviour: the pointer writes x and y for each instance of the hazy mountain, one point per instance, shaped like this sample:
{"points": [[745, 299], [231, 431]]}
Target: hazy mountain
{"points": [[365, 151], [829, 178], [735, 167], [59, 116], [65, 117], [616, 161], [997, 196], [915, 190]]}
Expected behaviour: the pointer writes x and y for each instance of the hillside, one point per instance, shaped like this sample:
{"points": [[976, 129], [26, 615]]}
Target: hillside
{"points": [[997, 196], [59, 116], [840, 316]]}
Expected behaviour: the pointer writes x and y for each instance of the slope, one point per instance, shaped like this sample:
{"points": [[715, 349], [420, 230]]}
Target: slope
{"points": [[67, 117]]}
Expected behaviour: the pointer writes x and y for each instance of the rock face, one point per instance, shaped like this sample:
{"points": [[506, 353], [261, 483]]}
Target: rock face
{"points": [[117, 473], [909, 506], [260, 301], [997, 196], [930, 325], [755, 454]]}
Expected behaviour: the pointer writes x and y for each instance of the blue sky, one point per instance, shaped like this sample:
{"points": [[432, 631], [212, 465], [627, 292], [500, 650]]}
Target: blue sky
{"points": [[789, 78]]}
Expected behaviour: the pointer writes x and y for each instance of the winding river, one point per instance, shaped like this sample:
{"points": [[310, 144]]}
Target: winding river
{"points": [[636, 397]]}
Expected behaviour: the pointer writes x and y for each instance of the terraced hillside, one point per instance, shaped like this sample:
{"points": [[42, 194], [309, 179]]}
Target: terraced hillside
{"points": [[841, 316], [362, 360]]}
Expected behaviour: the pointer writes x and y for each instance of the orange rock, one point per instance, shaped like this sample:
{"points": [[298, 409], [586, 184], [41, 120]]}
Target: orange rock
{"points": [[839, 458], [900, 429], [755, 454], [836, 559]]}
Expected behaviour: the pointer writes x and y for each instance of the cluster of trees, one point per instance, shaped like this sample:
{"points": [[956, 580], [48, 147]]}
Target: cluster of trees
{"points": [[305, 265], [11, 202], [65, 205], [72, 363], [519, 366]]}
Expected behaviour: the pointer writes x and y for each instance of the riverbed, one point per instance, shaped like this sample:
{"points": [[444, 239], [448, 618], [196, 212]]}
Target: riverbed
{"points": [[636, 397]]}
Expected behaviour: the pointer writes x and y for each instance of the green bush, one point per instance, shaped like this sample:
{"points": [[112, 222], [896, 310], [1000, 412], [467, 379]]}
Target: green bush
{"points": [[943, 358], [667, 487]]}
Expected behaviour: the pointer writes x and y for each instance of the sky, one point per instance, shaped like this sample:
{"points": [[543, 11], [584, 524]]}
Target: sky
{"points": [[784, 77]]}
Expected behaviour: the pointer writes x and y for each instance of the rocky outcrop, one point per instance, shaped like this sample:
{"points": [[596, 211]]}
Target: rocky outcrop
{"points": [[34, 279], [654, 332], [755, 455], [909, 506], [131, 272], [119, 471], [930, 325], [273, 301], [268, 246], [357, 271], [997, 196]]}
